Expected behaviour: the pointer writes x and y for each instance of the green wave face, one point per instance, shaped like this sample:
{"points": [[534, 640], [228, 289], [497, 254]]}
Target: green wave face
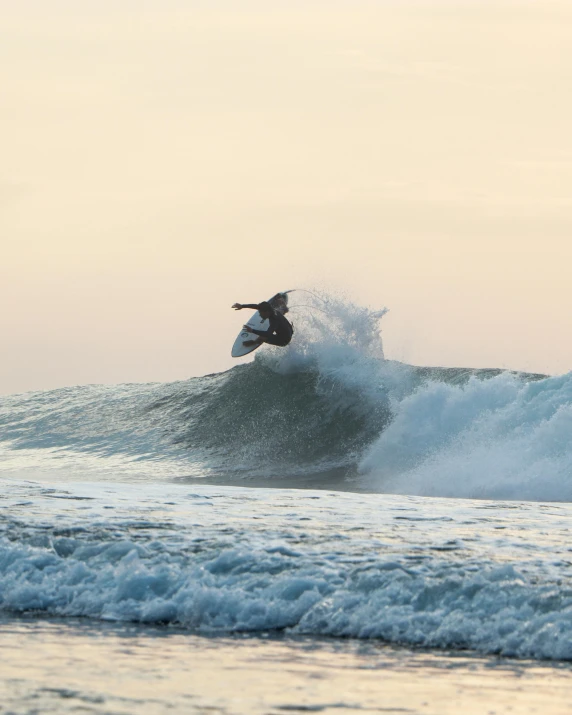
{"points": [[253, 421]]}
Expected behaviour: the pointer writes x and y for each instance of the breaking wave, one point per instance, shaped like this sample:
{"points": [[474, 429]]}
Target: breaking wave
{"points": [[329, 403], [431, 573]]}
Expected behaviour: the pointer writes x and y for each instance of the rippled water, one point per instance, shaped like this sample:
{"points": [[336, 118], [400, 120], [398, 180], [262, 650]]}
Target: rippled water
{"points": [[54, 666]]}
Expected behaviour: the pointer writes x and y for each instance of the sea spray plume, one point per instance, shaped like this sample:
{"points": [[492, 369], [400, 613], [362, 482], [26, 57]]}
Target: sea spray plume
{"points": [[338, 339], [498, 438], [328, 322]]}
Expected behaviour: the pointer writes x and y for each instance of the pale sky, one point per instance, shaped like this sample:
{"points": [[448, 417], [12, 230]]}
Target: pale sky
{"points": [[162, 159]]}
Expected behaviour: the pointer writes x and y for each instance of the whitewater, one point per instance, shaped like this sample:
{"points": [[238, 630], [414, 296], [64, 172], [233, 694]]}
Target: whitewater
{"points": [[317, 492]]}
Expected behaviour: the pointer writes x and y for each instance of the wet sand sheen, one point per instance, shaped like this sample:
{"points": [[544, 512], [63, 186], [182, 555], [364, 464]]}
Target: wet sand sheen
{"points": [[57, 667]]}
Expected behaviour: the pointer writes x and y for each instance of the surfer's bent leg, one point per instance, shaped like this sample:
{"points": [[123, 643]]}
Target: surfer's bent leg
{"points": [[279, 341]]}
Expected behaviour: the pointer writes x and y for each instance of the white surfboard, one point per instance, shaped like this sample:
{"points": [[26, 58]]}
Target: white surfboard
{"points": [[256, 322], [238, 349]]}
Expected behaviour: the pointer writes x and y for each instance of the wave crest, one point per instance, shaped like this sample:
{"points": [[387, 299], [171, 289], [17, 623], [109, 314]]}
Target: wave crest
{"points": [[328, 402]]}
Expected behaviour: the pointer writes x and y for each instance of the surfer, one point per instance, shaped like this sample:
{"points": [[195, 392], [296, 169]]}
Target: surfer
{"points": [[280, 329]]}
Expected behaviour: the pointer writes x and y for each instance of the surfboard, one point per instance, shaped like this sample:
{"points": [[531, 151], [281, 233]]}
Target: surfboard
{"points": [[239, 349], [256, 322]]}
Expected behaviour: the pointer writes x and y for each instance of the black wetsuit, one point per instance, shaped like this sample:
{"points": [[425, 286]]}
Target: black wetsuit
{"points": [[279, 331]]}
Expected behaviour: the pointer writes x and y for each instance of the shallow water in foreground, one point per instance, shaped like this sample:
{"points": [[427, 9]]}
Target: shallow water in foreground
{"points": [[52, 666]]}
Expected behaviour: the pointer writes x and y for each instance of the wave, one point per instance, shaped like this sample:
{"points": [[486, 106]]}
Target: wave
{"points": [[243, 590], [329, 403], [507, 437], [220, 560]]}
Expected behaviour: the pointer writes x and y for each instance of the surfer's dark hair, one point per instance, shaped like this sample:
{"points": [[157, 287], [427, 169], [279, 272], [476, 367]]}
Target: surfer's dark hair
{"points": [[265, 307]]}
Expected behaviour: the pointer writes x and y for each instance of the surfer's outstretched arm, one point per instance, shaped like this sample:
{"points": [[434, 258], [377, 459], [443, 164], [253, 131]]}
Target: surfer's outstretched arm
{"points": [[240, 306]]}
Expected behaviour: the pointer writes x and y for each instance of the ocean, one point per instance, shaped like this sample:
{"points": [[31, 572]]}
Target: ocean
{"points": [[318, 530]]}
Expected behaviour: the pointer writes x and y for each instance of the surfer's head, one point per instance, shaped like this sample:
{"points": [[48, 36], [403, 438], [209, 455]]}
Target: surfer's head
{"points": [[265, 309]]}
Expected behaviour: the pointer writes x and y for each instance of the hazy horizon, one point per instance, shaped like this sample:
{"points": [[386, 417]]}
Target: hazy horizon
{"points": [[163, 160]]}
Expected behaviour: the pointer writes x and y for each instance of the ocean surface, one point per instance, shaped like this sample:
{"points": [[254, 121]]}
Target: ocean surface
{"points": [[396, 538]]}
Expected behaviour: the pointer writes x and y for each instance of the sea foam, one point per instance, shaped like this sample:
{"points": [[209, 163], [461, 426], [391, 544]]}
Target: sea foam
{"points": [[430, 573], [499, 438]]}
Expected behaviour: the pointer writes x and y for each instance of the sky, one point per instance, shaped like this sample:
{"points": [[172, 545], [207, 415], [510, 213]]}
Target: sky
{"points": [[163, 159]]}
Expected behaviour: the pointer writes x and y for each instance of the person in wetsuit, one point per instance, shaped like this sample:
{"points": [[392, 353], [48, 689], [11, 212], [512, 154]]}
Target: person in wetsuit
{"points": [[279, 331]]}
